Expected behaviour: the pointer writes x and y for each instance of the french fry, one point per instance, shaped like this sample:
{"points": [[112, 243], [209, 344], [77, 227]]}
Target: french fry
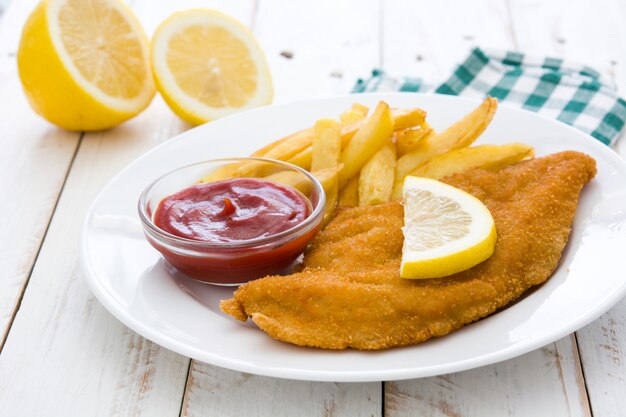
{"points": [[290, 147], [356, 113], [493, 157], [259, 153], [459, 135], [292, 179], [303, 159], [326, 146], [256, 169], [331, 202], [361, 108], [329, 178], [282, 149], [349, 195], [350, 117], [409, 139], [376, 177], [496, 164], [295, 145], [348, 132], [408, 118], [304, 139], [298, 142], [221, 173], [239, 170], [326, 150], [359, 163], [373, 135], [402, 119]]}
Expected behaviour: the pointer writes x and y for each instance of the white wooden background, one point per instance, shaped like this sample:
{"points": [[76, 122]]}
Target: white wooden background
{"points": [[63, 354]]}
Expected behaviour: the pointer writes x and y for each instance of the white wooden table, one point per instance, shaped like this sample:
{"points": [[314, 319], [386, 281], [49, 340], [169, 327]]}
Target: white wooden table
{"points": [[63, 354]]}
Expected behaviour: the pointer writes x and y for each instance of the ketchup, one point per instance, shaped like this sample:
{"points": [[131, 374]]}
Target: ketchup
{"points": [[229, 215], [232, 210]]}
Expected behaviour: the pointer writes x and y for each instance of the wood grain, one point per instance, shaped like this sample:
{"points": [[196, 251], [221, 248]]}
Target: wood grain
{"points": [[3, 5], [65, 354], [602, 352], [425, 39], [593, 33], [510, 388], [34, 160], [312, 69], [318, 48], [221, 392], [548, 381]]}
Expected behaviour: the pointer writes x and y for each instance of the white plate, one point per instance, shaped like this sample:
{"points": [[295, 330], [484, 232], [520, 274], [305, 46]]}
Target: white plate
{"points": [[128, 277]]}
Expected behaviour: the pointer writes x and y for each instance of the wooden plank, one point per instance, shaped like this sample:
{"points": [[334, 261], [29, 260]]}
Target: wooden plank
{"points": [[321, 65], [593, 33], [425, 39], [65, 354], [318, 48], [604, 361], [220, 392], [422, 38], [3, 5], [617, 14], [34, 161], [620, 146], [510, 388], [153, 13], [588, 32]]}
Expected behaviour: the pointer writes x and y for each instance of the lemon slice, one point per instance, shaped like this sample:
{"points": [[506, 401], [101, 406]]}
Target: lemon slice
{"points": [[208, 65], [446, 230], [84, 65]]}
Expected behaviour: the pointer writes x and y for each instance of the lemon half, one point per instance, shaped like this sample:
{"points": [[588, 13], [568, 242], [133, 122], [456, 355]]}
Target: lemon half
{"points": [[446, 230], [84, 65], [208, 65]]}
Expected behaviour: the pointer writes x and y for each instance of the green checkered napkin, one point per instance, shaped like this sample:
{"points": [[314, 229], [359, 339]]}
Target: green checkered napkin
{"points": [[574, 94]]}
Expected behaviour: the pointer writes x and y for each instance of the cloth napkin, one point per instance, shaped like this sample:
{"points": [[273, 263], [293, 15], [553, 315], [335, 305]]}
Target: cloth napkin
{"points": [[572, 93]]}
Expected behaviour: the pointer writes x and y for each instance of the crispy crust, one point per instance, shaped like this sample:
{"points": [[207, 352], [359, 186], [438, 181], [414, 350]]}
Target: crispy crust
{"points": [[350, 293]]}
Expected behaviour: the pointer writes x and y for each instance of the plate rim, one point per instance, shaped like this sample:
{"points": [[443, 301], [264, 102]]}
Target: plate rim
{"points": [[517, 349]]}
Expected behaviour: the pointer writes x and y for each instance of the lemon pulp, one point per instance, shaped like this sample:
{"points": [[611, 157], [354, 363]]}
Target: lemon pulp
{"points": [[446, 230], [84, 64], [207, 65]]}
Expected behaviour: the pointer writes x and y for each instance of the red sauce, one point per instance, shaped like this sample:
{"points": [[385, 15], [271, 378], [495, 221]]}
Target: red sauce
{"points": [[231, 210]]}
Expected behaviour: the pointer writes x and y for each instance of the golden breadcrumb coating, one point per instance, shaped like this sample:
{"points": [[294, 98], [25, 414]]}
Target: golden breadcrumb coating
{"points": [[350, 293]]}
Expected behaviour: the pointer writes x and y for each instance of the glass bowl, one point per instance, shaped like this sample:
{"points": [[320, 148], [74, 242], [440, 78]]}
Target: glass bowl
{"points": [[233, 263]]}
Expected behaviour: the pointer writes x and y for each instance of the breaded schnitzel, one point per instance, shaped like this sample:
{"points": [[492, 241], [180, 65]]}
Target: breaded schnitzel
{"points": [[350, 293]]}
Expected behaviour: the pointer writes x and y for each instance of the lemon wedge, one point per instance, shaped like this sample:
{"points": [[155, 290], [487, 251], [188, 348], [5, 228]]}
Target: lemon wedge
{"points": [[208, 65], [84, 65], [446, 230]]}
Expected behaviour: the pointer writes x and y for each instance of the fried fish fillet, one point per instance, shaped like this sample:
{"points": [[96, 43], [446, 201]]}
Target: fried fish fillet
{"points": [[350, 293]]}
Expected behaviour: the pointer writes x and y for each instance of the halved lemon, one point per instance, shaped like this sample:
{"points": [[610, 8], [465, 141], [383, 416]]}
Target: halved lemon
{"points": [[208, 65], [446, 230], [84, 65]]}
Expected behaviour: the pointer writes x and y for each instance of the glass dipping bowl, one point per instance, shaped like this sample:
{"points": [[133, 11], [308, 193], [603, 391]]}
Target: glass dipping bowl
{"points": [[233, 263]]}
